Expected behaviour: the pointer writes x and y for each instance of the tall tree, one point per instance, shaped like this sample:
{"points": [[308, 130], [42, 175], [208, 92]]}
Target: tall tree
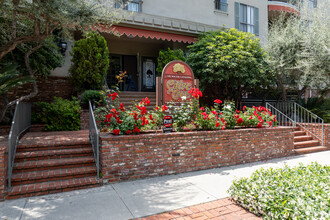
{"points": [[299, 49], [32, 21]]}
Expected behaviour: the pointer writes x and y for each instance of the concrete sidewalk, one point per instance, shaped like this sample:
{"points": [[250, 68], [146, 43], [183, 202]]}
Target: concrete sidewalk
{"points": [[139, 198]]}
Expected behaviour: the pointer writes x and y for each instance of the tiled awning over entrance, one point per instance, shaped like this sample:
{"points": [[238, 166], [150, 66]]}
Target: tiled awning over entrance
{"points": [[135, 32]]}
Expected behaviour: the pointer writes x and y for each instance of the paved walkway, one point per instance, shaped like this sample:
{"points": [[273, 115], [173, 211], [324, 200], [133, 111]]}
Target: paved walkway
{"points": [[141, 198]]}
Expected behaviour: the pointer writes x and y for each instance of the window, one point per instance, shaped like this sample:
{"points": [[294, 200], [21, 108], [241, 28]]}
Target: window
{"points": [[129, 5], [246, 18], [312, 4], [221, 5]]}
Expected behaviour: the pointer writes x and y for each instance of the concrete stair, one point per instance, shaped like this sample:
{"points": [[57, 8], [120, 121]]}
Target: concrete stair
{"points": [[131, 98], [304, 143], [53, 162]]}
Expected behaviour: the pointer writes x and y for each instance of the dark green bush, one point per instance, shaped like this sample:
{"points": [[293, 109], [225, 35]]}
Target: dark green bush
{"points": [[92, 95], [320, 107], [166, 56], [90, 62], [61, 115]]}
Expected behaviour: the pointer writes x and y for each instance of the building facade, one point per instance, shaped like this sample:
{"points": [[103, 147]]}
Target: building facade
{"points": [[152, 25]]}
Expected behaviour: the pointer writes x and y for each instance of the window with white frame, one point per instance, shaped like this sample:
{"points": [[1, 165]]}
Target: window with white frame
{"points": [[221, 5], [312, 4], [129, 5], [246, 22]]}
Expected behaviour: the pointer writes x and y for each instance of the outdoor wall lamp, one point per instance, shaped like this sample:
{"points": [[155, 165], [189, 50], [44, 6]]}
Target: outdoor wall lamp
{"points": [[63, 46]]}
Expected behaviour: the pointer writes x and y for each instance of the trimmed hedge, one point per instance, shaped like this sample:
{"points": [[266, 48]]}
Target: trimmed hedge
{"points": [[302, 192]]}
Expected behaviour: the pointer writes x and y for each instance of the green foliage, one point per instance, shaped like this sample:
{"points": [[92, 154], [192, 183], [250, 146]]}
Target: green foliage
{"points": [[228, 62], [90, 62], [166, 56], [61, 115], [93, 96], [10, 78], [286, 193], [320, 107]]}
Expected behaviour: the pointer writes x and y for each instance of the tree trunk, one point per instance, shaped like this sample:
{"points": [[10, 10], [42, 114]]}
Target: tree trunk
{"points": [[282, 87], [35, 87]]}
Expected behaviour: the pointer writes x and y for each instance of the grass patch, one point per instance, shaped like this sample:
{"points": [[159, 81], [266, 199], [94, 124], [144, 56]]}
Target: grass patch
{"points": [[302, 192]]}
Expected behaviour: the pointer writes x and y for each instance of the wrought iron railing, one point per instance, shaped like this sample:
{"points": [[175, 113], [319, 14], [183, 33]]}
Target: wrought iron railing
{"points": [[21, 122], [302, 117], [281, 118], [94, 138]]}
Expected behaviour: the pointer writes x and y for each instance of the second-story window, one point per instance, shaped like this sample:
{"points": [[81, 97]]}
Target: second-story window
{"points": [[221, 5], [246, 18], [130, 5]]}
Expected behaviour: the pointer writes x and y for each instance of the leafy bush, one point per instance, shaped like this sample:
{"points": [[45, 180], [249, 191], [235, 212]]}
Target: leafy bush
{"points": [[286, 193], [166, 56], [90, 62], [228, 62], [93, 96], [320, 107], [61, 115]]}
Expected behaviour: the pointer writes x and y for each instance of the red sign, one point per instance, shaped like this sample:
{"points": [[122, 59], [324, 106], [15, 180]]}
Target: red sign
{"points": [[168, 121], [177, 79]]}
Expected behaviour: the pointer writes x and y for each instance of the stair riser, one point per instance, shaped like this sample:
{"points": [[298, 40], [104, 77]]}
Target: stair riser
{"points": [[298, 145], [41, 148], [22, 182], [299, 133], [63, 166], [52, 191], [298, 139], [53, 157], [309, 151]]}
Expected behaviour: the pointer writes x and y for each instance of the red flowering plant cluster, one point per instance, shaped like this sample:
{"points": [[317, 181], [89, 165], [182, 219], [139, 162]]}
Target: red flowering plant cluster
{"points": [[121, 121], [255, 117], [156, 117]]}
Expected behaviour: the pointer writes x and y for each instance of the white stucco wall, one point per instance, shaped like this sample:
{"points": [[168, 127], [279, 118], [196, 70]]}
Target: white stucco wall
{"points": [[203, 11]]}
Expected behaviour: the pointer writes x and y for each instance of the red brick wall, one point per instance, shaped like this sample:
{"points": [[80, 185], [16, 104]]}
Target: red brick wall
{"points": [[3, 169], [84, 119], [317, 129], [140, 156], [48, 88]]}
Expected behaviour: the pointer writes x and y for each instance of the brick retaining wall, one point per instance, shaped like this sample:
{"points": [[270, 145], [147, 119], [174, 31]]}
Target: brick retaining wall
{"points": [[147, 155], [3, 169]]}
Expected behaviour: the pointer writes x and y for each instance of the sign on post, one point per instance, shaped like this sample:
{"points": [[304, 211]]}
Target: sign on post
{"points": [[167, 122]]}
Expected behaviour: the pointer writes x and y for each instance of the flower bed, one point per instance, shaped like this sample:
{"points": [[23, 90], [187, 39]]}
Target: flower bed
{"points": [[114, 117], [128, 157]]}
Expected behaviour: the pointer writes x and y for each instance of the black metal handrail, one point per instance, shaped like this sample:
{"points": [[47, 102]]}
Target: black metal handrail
{"points": [[94, 138], [21, 122]]}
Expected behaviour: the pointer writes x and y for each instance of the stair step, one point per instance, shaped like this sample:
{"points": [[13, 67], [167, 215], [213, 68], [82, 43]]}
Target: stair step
{"points": [[299, 133], [303, 144], [53, 154], [50, 146], [308, 150], [297, 129], [52, 187], [52, 175], [302, 138], [53, 164]]}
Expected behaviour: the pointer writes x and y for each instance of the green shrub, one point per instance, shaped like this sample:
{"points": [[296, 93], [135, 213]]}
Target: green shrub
{"points": [[320, 107], [93, 96], [166, 56], [61, 115], [301, 192], [90, 62]]}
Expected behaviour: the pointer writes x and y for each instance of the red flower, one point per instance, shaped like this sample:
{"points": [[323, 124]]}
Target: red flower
{"points": [[259, 125], [270, 123], [164, 108], [128, 132], [202, 109], [116, 132], [143, 110], [121, 107], [217, 124], [150, 116], [223, 127], [156, 108], [214, 112], [146, 101], [136, 130], [240, 121], [114, 96], [251, 117], [244, 108], [237, 111], [218, 101], [195, 93]]}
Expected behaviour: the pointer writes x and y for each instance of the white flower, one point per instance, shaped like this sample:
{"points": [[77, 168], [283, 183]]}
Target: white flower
{"points": [[183, 98], [227, 107]]}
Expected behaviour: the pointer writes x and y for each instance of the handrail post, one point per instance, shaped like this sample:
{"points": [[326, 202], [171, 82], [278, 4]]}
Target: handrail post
{"points": [[295, 115], [94, 138], [323, 133]]}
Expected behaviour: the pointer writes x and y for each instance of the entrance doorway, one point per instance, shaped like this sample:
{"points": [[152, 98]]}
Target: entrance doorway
{"points": [[124, 63], [148, 74]]}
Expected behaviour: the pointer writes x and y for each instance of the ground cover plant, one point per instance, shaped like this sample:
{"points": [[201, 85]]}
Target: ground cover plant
{"points": [[116, 118], [302, 192]]}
